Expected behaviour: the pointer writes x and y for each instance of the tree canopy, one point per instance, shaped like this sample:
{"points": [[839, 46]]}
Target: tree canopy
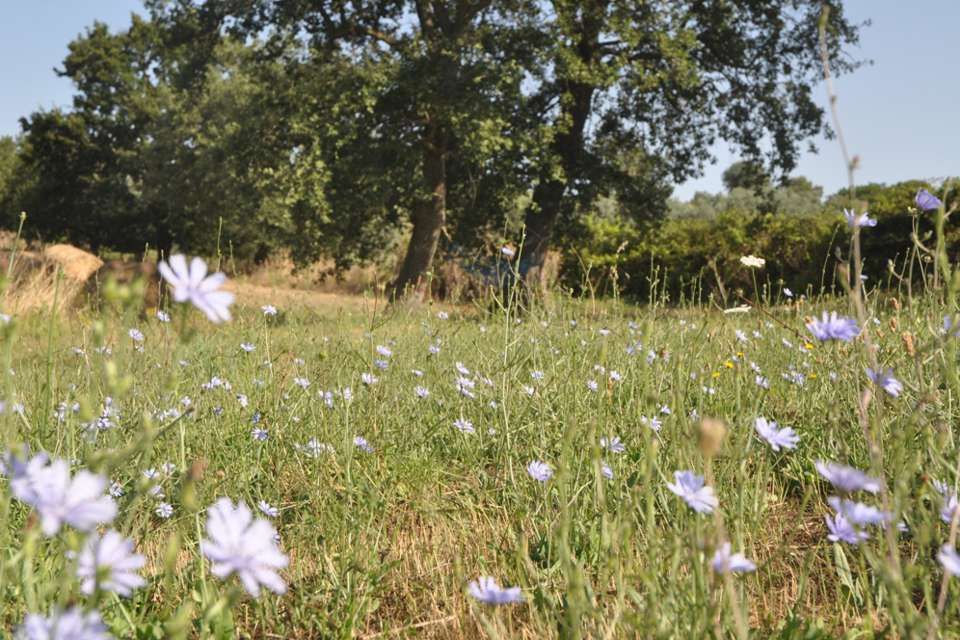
{"points": [[332, 127]]}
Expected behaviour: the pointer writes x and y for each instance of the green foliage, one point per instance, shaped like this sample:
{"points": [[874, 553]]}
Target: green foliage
{"points": [[745, 175], [797, 195], [414, 110], [666, 81], [749, 191], [879, 199], [329, 128], [141, 159], [679, 256], [8, 164], [685, 254]]}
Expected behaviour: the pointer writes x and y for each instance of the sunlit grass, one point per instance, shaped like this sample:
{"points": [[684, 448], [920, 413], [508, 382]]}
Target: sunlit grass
{"points": [[387, 541]]}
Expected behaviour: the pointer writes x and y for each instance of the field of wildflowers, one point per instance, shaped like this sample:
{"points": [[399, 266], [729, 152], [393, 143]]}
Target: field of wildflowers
{"points": [[596, 470]]}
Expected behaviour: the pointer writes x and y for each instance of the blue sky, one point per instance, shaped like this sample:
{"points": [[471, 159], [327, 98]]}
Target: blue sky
{"points": [[899, 115]]}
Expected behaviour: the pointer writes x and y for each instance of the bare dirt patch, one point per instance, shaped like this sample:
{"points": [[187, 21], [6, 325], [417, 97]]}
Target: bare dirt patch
{"points": [[257, 295]]}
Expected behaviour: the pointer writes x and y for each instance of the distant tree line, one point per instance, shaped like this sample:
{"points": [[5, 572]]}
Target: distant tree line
{"points": [[329, 128]]}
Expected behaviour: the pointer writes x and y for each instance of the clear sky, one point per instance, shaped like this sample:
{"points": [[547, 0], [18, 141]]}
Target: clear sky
{"points": [[900, 115]]}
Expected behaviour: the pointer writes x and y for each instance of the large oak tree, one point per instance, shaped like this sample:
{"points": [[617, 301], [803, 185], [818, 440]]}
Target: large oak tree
{"points": [[454, 68], [667, 80]]}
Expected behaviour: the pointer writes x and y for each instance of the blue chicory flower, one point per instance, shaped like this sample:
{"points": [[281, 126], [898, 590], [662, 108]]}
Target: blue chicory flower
{"points": [[926, 201], [834, 327]]}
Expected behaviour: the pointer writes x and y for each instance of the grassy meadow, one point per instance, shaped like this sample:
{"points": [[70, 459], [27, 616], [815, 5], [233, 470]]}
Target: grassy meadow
{"points": [[390, 492]]}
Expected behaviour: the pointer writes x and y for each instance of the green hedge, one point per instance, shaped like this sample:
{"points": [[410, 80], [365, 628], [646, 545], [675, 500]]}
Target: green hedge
{"points": [[674, 257]]}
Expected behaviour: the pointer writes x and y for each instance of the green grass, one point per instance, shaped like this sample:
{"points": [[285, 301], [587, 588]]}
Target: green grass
{"points": [[383, 544]]}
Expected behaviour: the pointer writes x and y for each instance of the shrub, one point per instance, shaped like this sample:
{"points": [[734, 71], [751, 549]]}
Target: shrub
{"points": [[684, 257]]}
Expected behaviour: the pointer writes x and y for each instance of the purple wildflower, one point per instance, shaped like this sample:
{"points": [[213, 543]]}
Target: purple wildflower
{"points": [[855, 220], [949, 560], [613, 445], [950, 328], [463, 425], [191, 283], [886, 381], [724, 561], [268, 509], [539, 471], [109, 563], [236, 543], [948, 507], [857, 513], [486, 590], [690, 487], [926, 201], [21, 473], [847, 479], [841, 530], [59, 499], [72, 624], [833, 327], [785, 438], [653, 424]]}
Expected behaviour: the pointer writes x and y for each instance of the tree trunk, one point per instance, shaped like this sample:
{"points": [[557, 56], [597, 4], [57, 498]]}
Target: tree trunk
{"points": [[576, 97], [429, 215], [164, 241], [549, 194], [540, 220]]}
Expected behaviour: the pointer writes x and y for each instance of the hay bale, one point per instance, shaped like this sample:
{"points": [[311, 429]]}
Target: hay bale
{"points": [[36, 283], [24, 264], [76, 263], [7, 240]]}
